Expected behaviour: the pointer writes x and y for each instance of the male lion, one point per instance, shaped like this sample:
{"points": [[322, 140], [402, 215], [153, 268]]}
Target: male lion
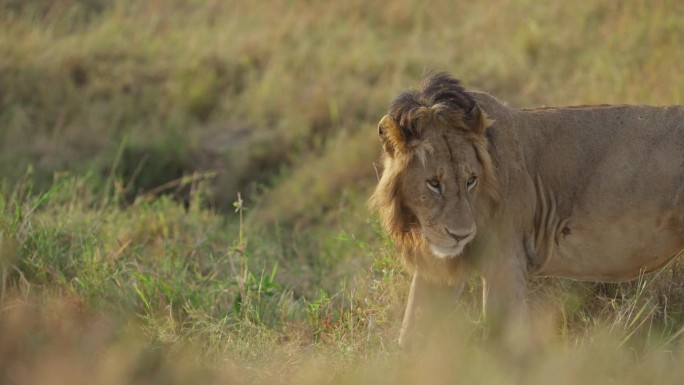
{"points": [[469, 184]]}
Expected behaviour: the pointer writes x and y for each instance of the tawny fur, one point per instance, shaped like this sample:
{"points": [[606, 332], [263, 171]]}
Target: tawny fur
{"points": [[589, 193]]}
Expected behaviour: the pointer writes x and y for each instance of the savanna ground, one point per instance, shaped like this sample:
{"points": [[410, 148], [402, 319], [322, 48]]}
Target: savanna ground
{"points": [[127, 130]]}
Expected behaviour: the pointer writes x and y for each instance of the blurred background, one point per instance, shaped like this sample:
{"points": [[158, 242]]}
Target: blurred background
{"points": [[128, 129]]}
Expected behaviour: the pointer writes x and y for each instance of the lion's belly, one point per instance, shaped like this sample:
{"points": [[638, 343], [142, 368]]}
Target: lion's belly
{"points": [[618, 249]]}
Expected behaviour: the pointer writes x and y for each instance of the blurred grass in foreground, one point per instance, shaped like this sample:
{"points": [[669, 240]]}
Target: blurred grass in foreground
{"points": [[153, 292]]}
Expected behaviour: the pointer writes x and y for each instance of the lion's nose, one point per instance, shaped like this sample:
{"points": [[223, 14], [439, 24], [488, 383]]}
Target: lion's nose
{"points": [[456, 236]]}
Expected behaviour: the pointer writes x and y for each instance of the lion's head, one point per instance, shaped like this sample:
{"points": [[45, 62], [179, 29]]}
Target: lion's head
{"points": [[438, 186]]}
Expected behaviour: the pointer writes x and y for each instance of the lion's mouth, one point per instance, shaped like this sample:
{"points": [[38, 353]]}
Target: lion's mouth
{"points": [[447, 252], [450, 251]]}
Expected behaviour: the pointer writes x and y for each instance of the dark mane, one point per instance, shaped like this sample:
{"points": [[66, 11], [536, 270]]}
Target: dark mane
{"points": [[438, 89]]}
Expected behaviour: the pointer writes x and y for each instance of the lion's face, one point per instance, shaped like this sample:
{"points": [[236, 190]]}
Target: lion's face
{"points": [[440, 187], [438, 184]]}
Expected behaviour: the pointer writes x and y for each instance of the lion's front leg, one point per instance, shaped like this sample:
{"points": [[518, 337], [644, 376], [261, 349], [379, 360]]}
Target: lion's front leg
{"points": [[427, 303], [504, 292]]}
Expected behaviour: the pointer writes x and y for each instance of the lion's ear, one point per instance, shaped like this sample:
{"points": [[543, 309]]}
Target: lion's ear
{"points": [[391, 135], [478, 120]]}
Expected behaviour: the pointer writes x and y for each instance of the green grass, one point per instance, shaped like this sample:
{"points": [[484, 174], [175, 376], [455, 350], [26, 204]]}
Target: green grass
{"points": [[127, 130], [184, 276]]}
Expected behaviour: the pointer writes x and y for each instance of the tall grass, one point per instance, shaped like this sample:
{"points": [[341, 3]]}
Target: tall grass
{"points": [[170, 271], [149, 285], [192, 85]]}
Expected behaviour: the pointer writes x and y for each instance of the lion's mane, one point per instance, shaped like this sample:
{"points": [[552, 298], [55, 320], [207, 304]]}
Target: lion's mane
{"points": [[440, 100]]}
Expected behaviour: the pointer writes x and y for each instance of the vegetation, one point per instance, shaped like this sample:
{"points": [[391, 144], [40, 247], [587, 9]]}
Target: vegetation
{"points": [[183, 186]]}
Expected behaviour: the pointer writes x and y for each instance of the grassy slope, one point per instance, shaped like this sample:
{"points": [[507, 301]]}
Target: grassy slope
{"points": [[109, 101]]}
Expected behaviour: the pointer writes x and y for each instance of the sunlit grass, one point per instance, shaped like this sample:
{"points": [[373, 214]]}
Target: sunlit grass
{"points": [[168, 283]]}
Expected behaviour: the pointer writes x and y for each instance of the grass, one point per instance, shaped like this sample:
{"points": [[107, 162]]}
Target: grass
{"points": [[169, 271], [127, 130]]}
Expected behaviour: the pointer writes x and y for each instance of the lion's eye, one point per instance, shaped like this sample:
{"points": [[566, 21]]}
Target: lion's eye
{"points": [[434, 185], [472, 181]]}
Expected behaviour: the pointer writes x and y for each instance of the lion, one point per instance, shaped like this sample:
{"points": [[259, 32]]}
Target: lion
{"points": [[470, 185]]}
